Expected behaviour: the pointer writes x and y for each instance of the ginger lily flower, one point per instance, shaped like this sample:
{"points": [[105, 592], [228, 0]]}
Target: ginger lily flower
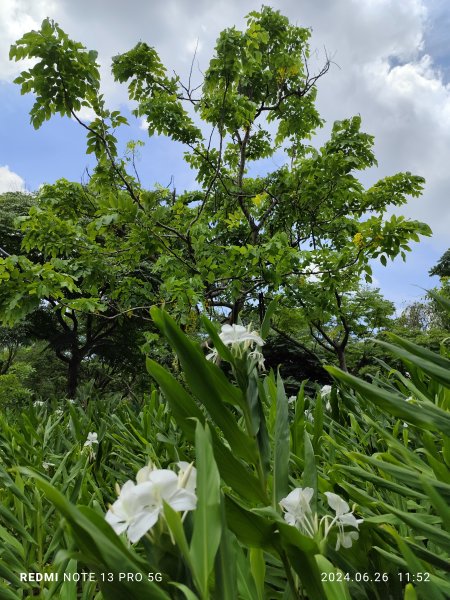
{"points": [[91, 439], [344, 517], [240, 339], [298, 510], [238, 334], [135, 511], [325, 390], [139, 505], [325, 393]]}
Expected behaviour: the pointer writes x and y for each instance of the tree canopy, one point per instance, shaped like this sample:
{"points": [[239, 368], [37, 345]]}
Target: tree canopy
{"points": [[106, 251]]}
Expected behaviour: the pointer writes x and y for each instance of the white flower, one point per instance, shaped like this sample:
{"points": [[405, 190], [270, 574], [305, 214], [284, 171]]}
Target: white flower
{"points": [[292, 399], [345, 539], [309, 416], [135, 511], [325, 393], [187, 476], [259, 359], [297, 510], [72, 401], [38, 403], [139, 505], [342, 510], [59, 412], [344, 517], [91, 439], [237, 334], [240, 339], [47, 465]]}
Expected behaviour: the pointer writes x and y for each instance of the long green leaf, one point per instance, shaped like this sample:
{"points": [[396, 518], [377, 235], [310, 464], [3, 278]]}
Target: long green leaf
{"points": [[265, 325], [335, 589], [185, 410], [225, 566], [281, 450], [209, 385], [418, 351], [207, 517], [426, 361], [428, 417]]}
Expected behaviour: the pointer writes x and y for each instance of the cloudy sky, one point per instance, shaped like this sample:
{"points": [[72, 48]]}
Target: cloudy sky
{"points": [[391, 66]]}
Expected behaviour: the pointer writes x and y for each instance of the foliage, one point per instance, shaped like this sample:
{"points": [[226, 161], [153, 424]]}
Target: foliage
{"points": [[401, 495], [442, 267], [237, 240], [292, 247]]}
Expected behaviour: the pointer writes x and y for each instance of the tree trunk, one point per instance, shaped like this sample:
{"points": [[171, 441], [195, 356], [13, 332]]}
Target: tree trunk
{"points": [[73, 372], [341, 357]]}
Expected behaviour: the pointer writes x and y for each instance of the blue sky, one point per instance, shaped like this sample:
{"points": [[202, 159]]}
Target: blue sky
{"points": [[392, 67]]}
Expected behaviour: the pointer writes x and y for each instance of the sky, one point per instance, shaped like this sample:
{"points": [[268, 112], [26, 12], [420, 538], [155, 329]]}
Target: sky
{"points": [[391, 65]]}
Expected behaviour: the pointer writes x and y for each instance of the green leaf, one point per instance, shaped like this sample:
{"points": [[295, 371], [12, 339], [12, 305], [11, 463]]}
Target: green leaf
{"points": [[309, 477], [337, 588], [189, 594], [265, 325], [249, 528], [258, 570], [210, 386], [225, 566], [245, 582], [185, 410], [440, 505], [175, 525], [419, 351], [281, 446], [207, 517], [410, 593], [428, 417], [429, 589]]}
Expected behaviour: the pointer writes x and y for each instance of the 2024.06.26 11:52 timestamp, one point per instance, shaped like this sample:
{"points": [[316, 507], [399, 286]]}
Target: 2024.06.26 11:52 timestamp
{"points": [[377, 577]]}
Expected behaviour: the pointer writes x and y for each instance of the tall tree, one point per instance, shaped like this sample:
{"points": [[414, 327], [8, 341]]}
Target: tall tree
{"points": [[236, 241]]}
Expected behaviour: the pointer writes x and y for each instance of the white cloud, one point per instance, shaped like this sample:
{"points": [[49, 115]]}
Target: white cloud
{"points": [[10, 181], [16, 18]]}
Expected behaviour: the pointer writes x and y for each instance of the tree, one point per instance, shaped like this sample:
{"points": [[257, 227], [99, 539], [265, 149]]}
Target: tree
{"points": [[12, 206], [68, 277], [442, 267], [335, 323], [238, 240]]}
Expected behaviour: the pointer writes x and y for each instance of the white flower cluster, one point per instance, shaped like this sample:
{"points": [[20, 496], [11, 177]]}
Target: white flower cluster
{"points": [[298, 512], [139, 504], [325, 394], [92, 438], [240, 339]]}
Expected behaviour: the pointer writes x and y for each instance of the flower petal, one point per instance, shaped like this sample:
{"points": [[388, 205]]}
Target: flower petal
{"points": [[350, 520], [116, 522], [182, 500], [339, 505], [166, 482], [141, 524]]}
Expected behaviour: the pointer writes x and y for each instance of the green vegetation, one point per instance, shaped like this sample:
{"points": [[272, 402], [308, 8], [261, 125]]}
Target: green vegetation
{"points": [[219, 354]]}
